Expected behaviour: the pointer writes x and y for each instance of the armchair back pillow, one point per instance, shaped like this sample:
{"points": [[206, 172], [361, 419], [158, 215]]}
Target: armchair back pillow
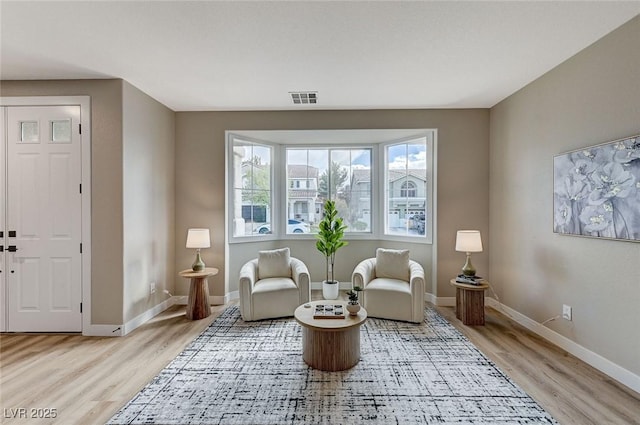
{"points": [[392, 264], [274, 263]]}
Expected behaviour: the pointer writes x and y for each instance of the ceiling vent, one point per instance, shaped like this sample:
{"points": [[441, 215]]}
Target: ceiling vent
{"points": [[304, 97]]}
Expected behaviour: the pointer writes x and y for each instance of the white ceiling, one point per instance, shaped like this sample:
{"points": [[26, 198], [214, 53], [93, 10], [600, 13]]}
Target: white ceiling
{"points": [[213, 55]]}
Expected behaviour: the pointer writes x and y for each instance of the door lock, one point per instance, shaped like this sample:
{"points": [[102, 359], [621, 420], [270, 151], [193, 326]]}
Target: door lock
{"points": [[12, 248]]}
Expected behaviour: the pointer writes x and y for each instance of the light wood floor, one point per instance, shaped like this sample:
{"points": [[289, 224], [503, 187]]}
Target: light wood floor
{"points": [[87, 379]]}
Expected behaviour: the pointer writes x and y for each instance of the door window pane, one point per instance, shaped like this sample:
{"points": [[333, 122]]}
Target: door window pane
{"points": [[29, 132], [61, 131]]}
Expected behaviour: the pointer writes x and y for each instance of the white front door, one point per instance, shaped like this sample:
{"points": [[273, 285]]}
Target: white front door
{"points": [[43, 219], [3, 222]]}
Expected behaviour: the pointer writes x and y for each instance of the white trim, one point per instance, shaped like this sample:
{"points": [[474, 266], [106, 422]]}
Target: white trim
{"points": [[440, 301], [343, 286], [604, 365], [213, 299], [102, 330], [85, 120], [141, 319], [232, 296]]}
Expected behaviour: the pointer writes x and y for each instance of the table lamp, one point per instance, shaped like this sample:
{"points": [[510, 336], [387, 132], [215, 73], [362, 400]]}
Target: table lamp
{"points": [[468, 241], [198, 238]]}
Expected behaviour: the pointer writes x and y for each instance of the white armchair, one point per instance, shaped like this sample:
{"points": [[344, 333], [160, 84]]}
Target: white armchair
{"points": [[273, 285], [393, 286]]}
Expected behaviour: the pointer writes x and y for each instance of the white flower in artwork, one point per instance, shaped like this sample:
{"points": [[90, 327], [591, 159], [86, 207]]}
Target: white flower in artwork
{"points": [[611, 181]]}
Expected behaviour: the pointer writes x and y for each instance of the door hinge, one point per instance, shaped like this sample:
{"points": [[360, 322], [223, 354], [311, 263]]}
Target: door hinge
{"points": [[80, 248], [80, 128], [80, 307]]}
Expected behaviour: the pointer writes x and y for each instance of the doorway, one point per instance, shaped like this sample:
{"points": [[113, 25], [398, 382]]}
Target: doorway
{"points": [[41, 218]]}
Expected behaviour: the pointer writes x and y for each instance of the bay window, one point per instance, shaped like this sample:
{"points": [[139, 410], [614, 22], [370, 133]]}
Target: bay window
{"points": [[382, 185]]}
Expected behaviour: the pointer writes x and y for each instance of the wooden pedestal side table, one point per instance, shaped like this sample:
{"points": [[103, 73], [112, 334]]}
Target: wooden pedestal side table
{"points": [[470, 302], [198, 304], [330, 344]]}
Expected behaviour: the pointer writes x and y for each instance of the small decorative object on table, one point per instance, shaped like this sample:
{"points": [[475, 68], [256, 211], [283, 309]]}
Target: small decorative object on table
{"points": [[353, 307], [469, 280], [329, 311]]}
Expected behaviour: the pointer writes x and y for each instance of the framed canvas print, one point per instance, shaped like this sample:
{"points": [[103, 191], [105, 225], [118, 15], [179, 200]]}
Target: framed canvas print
{"points": [[596, 191]]}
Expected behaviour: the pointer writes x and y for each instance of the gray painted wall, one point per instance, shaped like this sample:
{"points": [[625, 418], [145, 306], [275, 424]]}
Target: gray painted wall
{"points": [[106, 184], [148, 201], [463, 182], [132, 205], [592, 98]]}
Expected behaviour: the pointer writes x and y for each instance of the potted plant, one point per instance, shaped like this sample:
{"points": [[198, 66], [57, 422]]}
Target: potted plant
{"points": [[329, 240], [353, 307]]}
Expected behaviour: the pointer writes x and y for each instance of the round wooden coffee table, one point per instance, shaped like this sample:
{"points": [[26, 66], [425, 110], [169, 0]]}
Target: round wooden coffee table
{"points": [[330, 344]]}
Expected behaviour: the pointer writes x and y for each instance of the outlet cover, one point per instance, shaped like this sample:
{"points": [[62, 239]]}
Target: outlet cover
{"points": [[566, 312], [152, 288]]}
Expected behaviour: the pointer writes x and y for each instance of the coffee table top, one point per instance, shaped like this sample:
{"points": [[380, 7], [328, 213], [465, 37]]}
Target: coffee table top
{"points": [[304, 316]]}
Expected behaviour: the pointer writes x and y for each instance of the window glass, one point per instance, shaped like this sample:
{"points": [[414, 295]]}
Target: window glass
{"points": [[342, 175], [280, 190], [252, 187], [406, 188]]}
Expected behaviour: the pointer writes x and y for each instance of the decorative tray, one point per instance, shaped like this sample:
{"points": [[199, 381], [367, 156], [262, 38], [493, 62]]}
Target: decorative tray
{"points": [[329, 311]]}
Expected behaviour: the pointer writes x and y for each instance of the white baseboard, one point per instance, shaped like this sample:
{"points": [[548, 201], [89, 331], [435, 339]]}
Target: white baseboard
{"points": [[231, 296], [147, 315], [607, 367], [344, 286], [102, 330], [213, 299], [440, 301]]}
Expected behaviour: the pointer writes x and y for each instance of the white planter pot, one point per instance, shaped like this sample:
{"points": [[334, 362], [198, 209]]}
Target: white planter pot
{"points": [[330, 290], [353, 309]]}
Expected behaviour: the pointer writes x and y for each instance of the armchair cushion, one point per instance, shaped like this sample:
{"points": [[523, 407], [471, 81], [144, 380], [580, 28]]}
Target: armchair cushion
{"points": [[392, 264], [274, 263]]}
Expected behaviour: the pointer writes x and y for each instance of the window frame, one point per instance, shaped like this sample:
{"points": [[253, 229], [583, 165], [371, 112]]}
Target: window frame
{"points": [[430, 137], [373, 148], [379, 204], [230, 190]]}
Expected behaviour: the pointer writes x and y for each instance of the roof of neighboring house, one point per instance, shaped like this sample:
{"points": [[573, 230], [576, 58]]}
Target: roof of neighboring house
{"points": [[362, 175], [302, 171], [302, 193]]}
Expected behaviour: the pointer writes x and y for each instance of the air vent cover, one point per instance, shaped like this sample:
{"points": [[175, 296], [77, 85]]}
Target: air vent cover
{"points": [[304, 97]]}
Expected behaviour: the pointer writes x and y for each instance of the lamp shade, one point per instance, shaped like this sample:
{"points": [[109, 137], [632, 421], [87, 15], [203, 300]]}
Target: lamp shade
{"points": [[468, 241], [198, 238]]}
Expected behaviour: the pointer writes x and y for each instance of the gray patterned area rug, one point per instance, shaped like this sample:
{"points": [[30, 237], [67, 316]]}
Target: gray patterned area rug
{"points": [[240, 372]]}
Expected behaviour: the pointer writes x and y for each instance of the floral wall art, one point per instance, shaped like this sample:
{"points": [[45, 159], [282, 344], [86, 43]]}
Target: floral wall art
{"points": [[597, 191]]}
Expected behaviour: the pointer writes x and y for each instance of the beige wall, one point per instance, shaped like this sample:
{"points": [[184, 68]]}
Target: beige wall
{"points": [[463, 177], [132, 208], [106, 189], [149, 201], [592, 98]]}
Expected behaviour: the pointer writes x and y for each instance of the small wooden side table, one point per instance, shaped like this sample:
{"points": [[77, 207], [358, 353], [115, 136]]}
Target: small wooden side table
{"points": [[470, 302], [198, 304]]}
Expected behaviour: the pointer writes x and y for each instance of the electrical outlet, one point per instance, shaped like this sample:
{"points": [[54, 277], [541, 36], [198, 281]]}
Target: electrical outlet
{"points": [[566, 312], [152, 288]]}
